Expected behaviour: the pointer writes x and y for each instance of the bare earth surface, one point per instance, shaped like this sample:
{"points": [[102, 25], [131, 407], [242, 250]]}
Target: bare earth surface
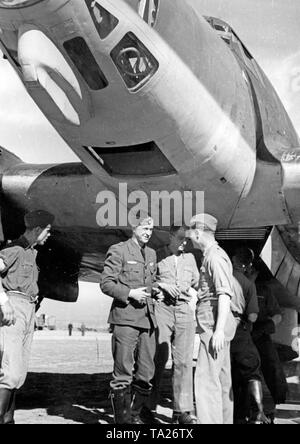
{"points": [[68, 383]]}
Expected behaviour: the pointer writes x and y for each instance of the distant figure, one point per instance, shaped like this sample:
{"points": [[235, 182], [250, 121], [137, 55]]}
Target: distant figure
{"points": [[70, 328], [19, 277], [82, 329]]}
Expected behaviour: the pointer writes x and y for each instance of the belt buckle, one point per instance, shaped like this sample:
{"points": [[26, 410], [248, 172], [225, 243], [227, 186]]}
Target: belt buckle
{"points": [[33, 300]]}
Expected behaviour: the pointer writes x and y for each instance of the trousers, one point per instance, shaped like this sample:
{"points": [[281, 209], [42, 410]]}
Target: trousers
{"points": [[176, 332], [213, 384], [15, 344], [133, 351]]}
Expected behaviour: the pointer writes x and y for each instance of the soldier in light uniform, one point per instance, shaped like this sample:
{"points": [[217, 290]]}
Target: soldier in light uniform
{"points": [[178, 277], [19, 275], [216, 325], [128, 277]]}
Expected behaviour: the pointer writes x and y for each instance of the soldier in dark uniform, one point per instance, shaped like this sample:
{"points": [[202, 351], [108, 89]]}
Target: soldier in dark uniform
{"points": [[269, 317], [246, 371], [19, 274], [128, 277]]}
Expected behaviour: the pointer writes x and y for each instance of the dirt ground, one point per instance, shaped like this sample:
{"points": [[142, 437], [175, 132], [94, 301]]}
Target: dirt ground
{"points": [[68, 383]]}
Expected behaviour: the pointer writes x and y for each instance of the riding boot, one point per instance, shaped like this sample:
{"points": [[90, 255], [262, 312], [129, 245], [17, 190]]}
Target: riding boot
{"points": [[9, 415], [121, 404], [255, 390], [139, 400], [5, 396]]}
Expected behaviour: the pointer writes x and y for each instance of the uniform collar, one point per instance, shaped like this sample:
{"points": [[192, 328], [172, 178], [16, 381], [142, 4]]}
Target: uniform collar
{"points": [[209, 248], [136, 249], [21, 242]]}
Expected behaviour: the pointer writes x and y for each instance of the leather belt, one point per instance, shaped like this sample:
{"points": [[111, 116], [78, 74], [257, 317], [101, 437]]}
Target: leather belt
{"points": [[30, 299]]}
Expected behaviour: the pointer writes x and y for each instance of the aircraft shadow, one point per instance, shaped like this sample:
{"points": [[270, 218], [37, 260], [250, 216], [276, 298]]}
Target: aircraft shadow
{"points": [[82, 398]]}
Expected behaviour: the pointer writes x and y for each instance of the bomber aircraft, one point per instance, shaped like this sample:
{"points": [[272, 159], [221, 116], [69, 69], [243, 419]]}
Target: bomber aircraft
{"points": [[153, 95]]}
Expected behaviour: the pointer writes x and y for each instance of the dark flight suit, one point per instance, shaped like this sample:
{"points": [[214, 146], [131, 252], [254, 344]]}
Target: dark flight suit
{"points": [[245, 360], [134, 341], [270, 363]]}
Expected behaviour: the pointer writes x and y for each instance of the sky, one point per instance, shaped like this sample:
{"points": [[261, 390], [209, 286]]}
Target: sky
{"points": [[269, 28]]}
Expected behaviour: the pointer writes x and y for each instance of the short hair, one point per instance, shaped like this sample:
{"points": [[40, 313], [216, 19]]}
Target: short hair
{"points": [[175, 228], [245, 255], [38, 218]]}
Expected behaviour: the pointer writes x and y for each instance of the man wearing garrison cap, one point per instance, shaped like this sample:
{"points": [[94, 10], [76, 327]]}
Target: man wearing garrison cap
{"points": [[18, 295], [216, 325], [128, 277]]}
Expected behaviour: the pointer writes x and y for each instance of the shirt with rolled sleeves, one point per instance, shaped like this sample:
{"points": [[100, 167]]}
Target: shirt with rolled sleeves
{"points": [[181, 271], [126, 269], [216, 279], [21, 271]]}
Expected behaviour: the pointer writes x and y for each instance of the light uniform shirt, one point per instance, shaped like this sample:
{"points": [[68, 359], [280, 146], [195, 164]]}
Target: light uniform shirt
{"points": [[180, 271], [216, 279], [21, 272]]}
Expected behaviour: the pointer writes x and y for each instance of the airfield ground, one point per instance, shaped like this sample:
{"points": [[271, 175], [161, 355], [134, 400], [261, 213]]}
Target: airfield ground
{"points": [[68, 383]]}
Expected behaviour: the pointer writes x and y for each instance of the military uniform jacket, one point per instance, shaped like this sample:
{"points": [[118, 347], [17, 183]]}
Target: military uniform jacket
{"points": [[125, 269], [21, 271]]}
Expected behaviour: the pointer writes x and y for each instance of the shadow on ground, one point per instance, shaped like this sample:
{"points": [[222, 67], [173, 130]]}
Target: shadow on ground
{"points": [[84, 398], [81, 398]]}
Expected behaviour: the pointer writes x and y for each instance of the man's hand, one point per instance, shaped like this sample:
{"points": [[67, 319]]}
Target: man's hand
{"points": [[139, 295], [7, 315], [172, 290], [157, 294], [218, 341]]}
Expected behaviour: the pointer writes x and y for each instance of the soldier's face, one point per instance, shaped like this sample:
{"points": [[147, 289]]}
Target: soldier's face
{"points": [[143, 233], [43, 235], [177, 240], [195, 236]]}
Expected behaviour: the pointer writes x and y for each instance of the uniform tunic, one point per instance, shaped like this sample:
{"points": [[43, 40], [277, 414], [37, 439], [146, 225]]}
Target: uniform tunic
{"points": [[128, 267]]}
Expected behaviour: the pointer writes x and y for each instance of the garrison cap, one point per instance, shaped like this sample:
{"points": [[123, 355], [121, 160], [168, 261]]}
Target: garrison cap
{"points": [[39, 218], [204, 222], [142, 218]]}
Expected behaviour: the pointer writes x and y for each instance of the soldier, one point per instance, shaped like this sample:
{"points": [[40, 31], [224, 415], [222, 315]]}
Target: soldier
{"points": [[19, 274], [216, 324], [177, 276], [245, 358], [269, 317], [128, 276]]}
